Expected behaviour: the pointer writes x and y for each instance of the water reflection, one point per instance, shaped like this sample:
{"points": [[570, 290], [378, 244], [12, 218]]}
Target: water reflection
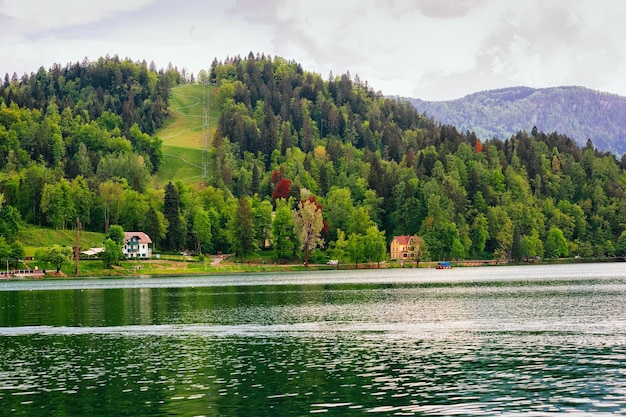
{"points": [[551, 346]]}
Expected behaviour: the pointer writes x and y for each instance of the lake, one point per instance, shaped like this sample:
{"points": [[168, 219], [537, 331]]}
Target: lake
{"points": [[484, 341]]}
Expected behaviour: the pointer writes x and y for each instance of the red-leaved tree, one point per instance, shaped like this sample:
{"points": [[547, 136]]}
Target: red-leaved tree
{"points": [[276, 176], [282, 189]]}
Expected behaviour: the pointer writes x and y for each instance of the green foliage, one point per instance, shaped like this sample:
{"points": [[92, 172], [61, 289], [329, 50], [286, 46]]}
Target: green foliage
{"points": [[132, 90], [262, 218], [504, 112], [277, 132], [284, 239], [154, 225], [556, 245], [111, 194], [55, 256], [112, 253], [338, 249], [241, 228], [516, 246], [202, 231], [17, 253], [58, 204], [531, 246], [116, 234], [174, 237], [356, 249], [5, 251], [127, 166], [620, 247], [374, 245], [9, 223]]}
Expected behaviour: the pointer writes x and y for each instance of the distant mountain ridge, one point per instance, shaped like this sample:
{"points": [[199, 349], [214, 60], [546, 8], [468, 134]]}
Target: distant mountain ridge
{"points": [[578, 112]]}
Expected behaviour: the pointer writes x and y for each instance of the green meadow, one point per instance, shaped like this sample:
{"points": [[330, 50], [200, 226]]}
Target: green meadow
{"points": [[33, 237], [183, 133]]}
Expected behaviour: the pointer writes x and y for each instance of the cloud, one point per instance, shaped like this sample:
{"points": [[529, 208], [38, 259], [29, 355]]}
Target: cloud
{"points": [[443, 9], [384, 42], [540, 45], [31, 16], [432, 49]]}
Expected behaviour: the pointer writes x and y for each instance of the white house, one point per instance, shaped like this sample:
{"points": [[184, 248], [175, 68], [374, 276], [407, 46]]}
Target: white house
{"points": [[137, 245]]}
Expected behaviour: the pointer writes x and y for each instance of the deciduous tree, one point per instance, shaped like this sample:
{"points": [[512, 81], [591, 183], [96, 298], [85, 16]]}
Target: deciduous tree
{"points": [[116, 234], [308, 224], [374, 245], [57, 256], [284, 238], [202, 230], [111, 193], [283, 188], [556, 244], [112, 253]]}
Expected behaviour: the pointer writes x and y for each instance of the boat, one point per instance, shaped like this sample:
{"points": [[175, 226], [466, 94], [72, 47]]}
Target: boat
{"points": [[444, 265]]}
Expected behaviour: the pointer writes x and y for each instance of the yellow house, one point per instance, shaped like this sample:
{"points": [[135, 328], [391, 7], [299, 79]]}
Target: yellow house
{"points": [[404, 247]]}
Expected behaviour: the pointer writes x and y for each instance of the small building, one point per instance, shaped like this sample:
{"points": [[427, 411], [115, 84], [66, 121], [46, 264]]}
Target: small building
{"points": [[92, 252], [137, 245], [404, 247]]}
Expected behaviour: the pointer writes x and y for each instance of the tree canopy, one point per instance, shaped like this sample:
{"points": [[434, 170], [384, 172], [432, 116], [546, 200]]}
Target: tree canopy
{"points": [[79, 142]]}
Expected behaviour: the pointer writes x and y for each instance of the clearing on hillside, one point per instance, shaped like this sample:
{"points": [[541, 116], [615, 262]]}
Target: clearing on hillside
{"points": [[182, 133]]}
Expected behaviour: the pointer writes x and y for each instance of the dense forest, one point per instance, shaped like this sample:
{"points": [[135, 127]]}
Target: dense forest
{"points": [[298, 163], [578, 112]]}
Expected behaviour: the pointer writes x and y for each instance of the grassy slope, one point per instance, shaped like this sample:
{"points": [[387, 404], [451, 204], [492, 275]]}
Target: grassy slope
{"points": [[183, 145], [36, 237], [182, 134]]}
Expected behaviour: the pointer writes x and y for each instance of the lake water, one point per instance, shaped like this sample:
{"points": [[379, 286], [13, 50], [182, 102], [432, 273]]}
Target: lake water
{"points": [[488, 341]]}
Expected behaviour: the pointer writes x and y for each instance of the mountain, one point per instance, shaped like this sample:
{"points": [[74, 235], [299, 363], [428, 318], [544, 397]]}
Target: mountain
{"points": [[87, 141], [578, 112]]}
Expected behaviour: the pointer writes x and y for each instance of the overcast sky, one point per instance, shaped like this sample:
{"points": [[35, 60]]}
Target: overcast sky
{"points": [[429, 49]]}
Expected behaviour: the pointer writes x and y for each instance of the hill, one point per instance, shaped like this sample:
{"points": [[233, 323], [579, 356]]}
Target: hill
{"points": [[579, 113], [282, 138]]}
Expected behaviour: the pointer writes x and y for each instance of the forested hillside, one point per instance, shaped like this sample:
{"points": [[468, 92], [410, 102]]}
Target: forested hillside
{"points": [[301, 162], [580, 113]]}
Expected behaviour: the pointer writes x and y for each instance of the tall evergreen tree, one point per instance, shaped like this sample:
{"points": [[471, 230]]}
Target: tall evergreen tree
{"points": [[174, 237], [241, 228], [516, 246]]}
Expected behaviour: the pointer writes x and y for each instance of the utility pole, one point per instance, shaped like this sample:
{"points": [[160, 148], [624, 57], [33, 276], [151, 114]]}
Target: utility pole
{"points": [[77, 247], [205, 129]]}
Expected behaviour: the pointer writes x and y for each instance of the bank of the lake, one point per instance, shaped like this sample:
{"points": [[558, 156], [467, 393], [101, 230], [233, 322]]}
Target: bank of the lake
{"points": [[182, 265]]}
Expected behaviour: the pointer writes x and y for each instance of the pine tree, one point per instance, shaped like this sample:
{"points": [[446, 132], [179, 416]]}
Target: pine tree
{"points": [[171, 209], [516, 246], [241, 228]]}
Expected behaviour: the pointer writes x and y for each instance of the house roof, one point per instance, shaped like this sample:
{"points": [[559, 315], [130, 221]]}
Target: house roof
{"points": [[402, 240], [141, 237]]}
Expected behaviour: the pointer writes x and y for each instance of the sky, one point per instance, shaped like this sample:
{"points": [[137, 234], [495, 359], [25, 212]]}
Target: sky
{"points": [[428, 49]]}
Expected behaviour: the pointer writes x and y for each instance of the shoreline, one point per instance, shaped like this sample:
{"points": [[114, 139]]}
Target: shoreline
{"points": [[132, 269]]}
